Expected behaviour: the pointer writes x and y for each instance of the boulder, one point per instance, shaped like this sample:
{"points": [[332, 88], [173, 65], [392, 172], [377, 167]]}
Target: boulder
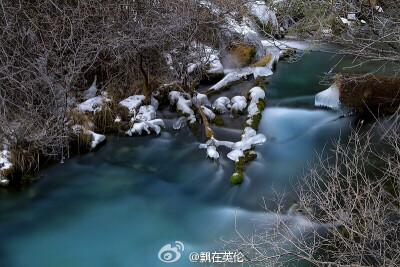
{"points": [[378, 94]]}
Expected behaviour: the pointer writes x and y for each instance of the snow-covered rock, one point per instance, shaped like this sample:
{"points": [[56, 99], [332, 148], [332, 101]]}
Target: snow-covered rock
{"points": [[257, 93], [145, 113], [201, 100], [239, 103], [146, 126], [328, 98], [249, 139], [133, 102], [235, 154], [209, 114], [183, 105], [93, 104], [221, 104], [212, 152]]}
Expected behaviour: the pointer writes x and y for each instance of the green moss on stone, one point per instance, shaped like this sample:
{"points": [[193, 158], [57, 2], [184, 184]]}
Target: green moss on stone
{"points": [[219, 121], [239, 165], [237, 178]]}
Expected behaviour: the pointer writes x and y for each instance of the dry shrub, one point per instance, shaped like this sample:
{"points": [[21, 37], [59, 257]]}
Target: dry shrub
{"points": [[347, 211]]}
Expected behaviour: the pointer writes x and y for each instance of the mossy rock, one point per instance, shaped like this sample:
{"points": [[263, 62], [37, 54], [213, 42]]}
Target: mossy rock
{"points": [[243, 53], [235, 115], [287, 53], [239, 165], [237, 178], [261, 81], [261, 104], [250, 155], [218, 121], [214, 77]]}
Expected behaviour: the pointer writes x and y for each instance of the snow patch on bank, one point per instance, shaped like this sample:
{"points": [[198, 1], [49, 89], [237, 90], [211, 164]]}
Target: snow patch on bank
{"points": [[96, 138]]}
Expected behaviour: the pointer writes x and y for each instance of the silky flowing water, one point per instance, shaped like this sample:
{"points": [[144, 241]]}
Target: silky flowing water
{"points": [[120, 204]]}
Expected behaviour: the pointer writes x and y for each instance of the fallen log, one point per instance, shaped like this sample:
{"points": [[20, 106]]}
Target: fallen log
{"points": [[369, 93]]}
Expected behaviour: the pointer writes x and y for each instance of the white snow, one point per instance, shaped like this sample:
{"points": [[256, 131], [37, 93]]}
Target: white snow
{"points": [[5, 158], [182, 105], [262, 71], [249, 139], [239, 103], [117, 119], [328, 98], [379, 9], [235, 154], [91, 92], [285, 44], [345, 21], [233, 76], [326, 31], [133, 102], [93, 104], [146, 126], [212, 152], [145, 113], [96, 139], [263, 13], [209, 114], [257, 93], [221, 104], [351, 16], [201, 100]]}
